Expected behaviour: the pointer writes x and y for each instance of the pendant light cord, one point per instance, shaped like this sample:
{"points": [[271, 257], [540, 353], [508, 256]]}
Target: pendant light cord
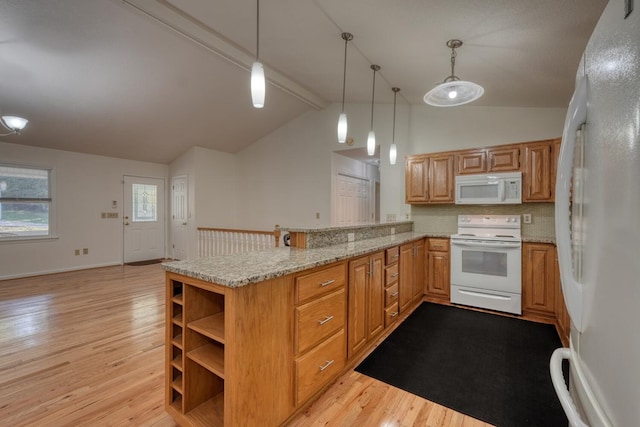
{"points": [[344, 72], [453, 61], [257, 29], [395, 93], [373, 91]]}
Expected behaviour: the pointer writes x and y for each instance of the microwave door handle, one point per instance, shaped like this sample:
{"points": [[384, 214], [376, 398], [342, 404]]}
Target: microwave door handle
{"points": [[571, 288], [501, 190]]}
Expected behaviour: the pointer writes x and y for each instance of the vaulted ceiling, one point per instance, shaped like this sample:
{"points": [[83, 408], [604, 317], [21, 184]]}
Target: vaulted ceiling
{"points": [[147, 79]]}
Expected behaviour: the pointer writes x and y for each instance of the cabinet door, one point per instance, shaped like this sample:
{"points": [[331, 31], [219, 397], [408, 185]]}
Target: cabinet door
{"points": [[503, 159], [358, 278], [537, 174], [376, 295], [418, 269], [438, 270], [474, 161], [416, 179], [406, 276], [538, 278], [562, 314], [441, 186]]}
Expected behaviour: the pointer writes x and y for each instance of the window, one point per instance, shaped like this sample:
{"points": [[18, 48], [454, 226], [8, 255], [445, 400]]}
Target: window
{"points": [[145, 203], [25, 202]]}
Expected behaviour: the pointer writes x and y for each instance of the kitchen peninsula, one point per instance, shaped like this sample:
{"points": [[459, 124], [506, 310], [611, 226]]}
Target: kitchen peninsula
{"points": [[252, 338]]}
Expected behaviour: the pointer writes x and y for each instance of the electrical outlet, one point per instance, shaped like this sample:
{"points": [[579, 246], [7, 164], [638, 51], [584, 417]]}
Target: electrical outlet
{"points": [[391, 217], [526, 218], [77, 252], [85, 251], [393, 230], [351, 237]]}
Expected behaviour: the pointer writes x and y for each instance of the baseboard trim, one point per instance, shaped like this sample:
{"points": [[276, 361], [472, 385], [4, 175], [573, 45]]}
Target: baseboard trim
{"points": [[59, 270]]}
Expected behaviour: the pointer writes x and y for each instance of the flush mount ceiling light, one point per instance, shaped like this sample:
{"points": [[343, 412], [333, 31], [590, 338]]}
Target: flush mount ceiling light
{"points": [[342, 120], [13, 124], [393, 150], [257, 69], [371, 139], [453, 91]]}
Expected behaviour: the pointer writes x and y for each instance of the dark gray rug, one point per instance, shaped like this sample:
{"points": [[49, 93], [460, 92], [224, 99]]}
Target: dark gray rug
{"points": [[490, 367]]}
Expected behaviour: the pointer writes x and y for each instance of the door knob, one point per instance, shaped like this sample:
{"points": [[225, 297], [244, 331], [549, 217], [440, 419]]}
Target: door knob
{"points": [[126, 223]]}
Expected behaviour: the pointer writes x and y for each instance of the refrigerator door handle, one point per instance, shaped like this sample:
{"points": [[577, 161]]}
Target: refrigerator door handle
{"points": [[555, 368], [571, 288]]}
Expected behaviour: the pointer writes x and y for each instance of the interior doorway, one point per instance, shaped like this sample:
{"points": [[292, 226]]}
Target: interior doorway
{"points": [[179, 217]]}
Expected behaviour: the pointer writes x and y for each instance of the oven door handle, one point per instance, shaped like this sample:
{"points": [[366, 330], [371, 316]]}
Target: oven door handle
{"points": [[488, 245]]}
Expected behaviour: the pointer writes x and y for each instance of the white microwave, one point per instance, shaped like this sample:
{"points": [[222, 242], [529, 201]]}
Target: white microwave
{"points": [[489, 189]]}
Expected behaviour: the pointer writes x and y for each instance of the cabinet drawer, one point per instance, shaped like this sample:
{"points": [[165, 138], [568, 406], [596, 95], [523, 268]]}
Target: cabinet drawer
{"points": [[320, 282], [318, 319], [391, 295], [391, 275], [390, 314], [439, 245], [320, 365], [392, 255]]}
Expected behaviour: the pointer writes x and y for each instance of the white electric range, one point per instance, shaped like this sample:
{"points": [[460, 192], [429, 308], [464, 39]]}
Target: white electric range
{"points": [[486, 262]]}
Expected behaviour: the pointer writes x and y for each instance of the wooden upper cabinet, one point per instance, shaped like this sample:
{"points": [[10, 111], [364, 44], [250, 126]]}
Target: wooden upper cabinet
{"points": [[473, 161], [429, 179], [416, 179], [441, 179], [537, 180], [503, 159]]}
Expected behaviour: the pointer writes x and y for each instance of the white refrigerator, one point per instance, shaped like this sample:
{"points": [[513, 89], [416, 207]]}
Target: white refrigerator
{"points": [[597, 217]]}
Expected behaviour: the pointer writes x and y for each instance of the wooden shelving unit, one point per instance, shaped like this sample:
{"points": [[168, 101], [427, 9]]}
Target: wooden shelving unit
{"points": [[195, 357]]}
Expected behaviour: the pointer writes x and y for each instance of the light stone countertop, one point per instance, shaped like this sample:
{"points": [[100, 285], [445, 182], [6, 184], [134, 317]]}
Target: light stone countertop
{"points": [[252, 267]]}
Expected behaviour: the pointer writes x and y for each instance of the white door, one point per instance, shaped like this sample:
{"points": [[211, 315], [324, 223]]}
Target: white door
{"points": [[179, 217], [143, 219], [353, 201]]}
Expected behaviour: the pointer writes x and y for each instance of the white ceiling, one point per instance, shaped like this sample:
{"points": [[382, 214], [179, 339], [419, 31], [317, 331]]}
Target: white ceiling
{"points": [[147, 79]]}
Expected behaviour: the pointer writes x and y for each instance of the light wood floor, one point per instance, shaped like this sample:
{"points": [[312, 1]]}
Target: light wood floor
{"points": [[86, 349]]}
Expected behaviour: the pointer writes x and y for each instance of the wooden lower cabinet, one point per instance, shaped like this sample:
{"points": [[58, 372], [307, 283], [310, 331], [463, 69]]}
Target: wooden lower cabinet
{"points": [[438, 269], [538, 279], [412, 273], [563, 321], [366, 301]]}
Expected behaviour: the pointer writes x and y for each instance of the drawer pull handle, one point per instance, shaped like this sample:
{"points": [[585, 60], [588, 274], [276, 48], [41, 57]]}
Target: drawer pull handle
{"points": [[326, 365], [326, 319], [327, 283], [394, 275], [394, 314], [396, 256], [395, 294]]}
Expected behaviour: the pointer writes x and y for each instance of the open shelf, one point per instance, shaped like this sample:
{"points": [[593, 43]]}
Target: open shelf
{"points": [[177, 341], [177, 319], [210, 326], [209, 413], [177, 384], [177, 299], [209, 356], [177, 362]]}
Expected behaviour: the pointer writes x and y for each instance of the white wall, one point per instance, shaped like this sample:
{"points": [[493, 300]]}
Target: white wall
{"points": [[212, 191], [85, 185], [434, 129], [285, 177]]}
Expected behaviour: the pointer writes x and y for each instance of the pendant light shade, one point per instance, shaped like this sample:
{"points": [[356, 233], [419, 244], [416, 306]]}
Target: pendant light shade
{"points": [[371, 139], [393, 150], [258, 84], [453, 91], [342, 120]]}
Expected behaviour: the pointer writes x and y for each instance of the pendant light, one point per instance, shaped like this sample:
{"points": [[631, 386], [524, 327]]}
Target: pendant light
{"points": [[371, 139], [257, 69], [453, 91], [342, 120], [393, 151]]}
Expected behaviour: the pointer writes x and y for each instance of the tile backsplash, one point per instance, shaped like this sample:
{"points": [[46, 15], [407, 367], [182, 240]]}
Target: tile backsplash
{"points": [[444, 218]]}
